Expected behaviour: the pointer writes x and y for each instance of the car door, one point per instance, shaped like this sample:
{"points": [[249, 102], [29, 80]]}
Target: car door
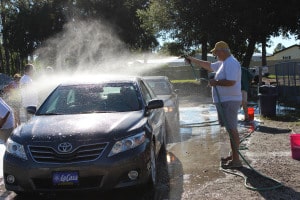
{"points": [[156, 117]]}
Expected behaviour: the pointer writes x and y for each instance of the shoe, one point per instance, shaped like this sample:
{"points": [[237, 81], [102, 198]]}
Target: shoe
{"points": [[226, 159], [231, 165]]}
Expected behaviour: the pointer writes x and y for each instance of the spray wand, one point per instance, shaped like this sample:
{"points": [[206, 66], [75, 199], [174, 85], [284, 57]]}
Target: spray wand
{"points": [[185, 56]]}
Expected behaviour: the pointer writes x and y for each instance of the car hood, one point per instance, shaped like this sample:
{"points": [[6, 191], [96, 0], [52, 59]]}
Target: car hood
{"points": [[81, 126]]}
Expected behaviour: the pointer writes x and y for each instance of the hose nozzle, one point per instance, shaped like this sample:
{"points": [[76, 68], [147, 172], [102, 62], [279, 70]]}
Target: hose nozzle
{"points": [[184, 56]]}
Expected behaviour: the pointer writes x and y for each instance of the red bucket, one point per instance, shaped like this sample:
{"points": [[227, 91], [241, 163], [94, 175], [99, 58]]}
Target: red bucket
{"points": [[251, 113], [295, 146]]}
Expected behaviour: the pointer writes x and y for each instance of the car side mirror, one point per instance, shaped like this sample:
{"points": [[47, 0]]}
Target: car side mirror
{"points": [[155, 103], [31, 109]]}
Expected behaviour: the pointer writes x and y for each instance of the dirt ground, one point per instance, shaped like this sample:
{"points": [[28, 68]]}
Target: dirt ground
{"points": [[268, 153], [272, 174]]}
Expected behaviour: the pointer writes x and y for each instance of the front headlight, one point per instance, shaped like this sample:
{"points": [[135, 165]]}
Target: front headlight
{"points": [[128, 143], [168, 109], [15, 149]]}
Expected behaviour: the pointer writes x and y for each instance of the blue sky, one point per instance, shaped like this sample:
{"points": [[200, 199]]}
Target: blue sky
{"points": [[284, 42]]}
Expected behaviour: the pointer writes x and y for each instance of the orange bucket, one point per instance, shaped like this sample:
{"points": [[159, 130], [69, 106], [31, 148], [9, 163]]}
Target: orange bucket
{"points": [[295, 146], [251, 113]]}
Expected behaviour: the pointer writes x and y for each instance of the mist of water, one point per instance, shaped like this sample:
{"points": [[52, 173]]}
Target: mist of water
{"points": [[88, 46], [84, 48]]}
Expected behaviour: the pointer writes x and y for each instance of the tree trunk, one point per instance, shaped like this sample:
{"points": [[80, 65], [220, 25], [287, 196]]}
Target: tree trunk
{"points": [[1, 60], [263, 59], [203, 72], [4, 39], [249, 53]]}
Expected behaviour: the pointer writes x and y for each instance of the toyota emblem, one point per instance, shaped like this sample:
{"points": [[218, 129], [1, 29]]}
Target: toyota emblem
{"points": [[64, 147]]}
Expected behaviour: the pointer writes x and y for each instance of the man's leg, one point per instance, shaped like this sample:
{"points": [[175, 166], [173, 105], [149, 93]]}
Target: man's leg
{"points": [[245, 105], [235, 143]]}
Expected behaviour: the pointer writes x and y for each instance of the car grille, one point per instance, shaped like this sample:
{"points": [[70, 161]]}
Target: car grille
{"points": [[84, 153]]}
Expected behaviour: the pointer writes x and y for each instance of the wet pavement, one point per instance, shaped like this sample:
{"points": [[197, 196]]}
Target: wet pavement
{"points": [[191, 160]]}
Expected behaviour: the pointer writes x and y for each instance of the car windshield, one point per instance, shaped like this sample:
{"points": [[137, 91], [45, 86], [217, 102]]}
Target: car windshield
{"points": [[159, 87], [87, 98]]}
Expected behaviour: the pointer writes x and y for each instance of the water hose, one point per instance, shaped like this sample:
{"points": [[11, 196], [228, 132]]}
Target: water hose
{"points": [[237, 148]]}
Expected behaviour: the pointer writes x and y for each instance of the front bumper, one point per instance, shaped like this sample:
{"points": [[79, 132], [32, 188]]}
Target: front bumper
{"points": [[104, 173]]}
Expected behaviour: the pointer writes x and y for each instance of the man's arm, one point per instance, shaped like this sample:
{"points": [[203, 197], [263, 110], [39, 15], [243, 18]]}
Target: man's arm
{"points": [[201, 63], [224, 82]]}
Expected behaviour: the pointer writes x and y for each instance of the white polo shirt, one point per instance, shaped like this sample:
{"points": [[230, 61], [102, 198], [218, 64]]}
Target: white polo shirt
{"points": [[229, 69]]}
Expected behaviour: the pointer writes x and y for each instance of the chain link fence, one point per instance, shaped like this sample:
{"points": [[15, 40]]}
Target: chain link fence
{"points": [[288, 81]]}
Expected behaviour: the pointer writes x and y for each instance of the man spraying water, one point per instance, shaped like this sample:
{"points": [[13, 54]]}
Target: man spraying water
{"points": [[226, 94]]}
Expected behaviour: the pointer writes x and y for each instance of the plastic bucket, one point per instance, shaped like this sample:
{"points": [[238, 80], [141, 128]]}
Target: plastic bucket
{"points": [[251, 113], [295, 146]]}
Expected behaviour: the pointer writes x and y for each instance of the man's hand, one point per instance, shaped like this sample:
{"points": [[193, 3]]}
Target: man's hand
{"points": [[213, 82], [186, 58]]}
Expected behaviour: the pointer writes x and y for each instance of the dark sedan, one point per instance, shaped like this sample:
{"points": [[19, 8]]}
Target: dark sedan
{"points": [[88, 135], [164, 90]]}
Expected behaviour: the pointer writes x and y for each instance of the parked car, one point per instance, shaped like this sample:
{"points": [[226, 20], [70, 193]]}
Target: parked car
{"points": [[88, 135], [4, 81], [164, 90]]}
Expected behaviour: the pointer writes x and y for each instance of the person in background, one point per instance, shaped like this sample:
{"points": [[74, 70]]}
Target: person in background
{"points": [[7, 121], [245, 82], [29, 94], [226, 93], [13, 96]]}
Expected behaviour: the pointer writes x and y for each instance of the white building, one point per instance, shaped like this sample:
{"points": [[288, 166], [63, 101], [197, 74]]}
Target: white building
{"points": [[287, 54]]}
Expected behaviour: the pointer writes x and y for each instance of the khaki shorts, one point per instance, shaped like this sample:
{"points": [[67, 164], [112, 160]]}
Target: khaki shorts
{"points": [[229, 110]]}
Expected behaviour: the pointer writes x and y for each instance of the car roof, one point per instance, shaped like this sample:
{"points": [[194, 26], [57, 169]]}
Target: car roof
{"points": [[155, 77], [98, 79]]}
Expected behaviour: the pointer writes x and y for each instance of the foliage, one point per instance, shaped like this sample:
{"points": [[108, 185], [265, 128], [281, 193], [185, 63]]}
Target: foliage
{"points": [[194, 25], [27, 25], [242, 23], [172, 49], [279, 47]]}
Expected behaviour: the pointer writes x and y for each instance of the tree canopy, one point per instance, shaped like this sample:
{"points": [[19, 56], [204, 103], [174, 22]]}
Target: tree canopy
{"points": [[242, 23], [26, 26]]}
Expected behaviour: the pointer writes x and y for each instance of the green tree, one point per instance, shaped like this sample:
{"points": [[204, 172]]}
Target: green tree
{"points": [[25, 25], [172, 49], [242, 23], [121, 15], [279, 47]]}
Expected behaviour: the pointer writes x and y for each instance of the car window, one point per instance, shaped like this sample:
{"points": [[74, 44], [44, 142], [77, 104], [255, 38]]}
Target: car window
{"points": [[76, 99], [146, 93], [159, 87]]}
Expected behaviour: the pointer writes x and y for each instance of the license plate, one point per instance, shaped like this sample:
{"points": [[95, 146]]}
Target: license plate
{"points": [[65, 178]]}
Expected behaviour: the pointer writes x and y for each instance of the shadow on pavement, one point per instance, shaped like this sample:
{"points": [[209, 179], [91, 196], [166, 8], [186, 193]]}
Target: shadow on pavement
{"points": [[267, 187]]}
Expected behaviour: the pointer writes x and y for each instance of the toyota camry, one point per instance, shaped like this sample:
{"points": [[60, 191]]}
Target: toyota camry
{"points": [[88, 135]]}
